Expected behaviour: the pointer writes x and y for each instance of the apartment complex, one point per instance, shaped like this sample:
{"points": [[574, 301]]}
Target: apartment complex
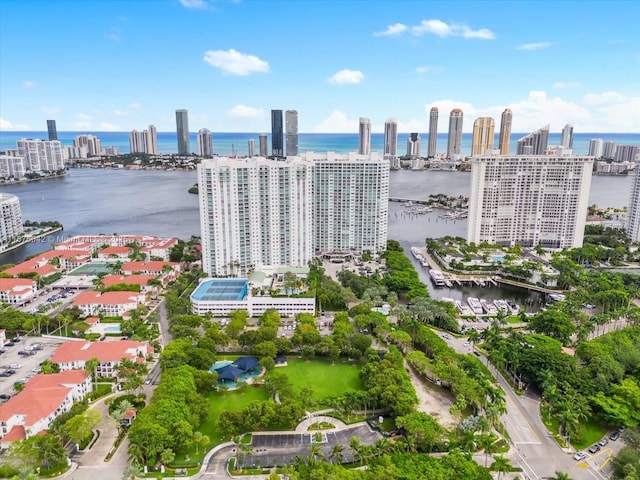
{"points": [[433, 132], [633, 225], [413, 145], [182, 130], [364, 136], [505, 131], [534, 143], [529, 200], [40, 155], [391, 140], [11, 227], [454, 143], [277, 147], [52, 130], [145, 141], [205, 142], [257, 212], [483, 133], [291, 130]]}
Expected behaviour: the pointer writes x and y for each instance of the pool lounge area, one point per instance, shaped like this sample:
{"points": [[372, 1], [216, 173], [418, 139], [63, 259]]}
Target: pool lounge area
{"points": [[241, 370]]}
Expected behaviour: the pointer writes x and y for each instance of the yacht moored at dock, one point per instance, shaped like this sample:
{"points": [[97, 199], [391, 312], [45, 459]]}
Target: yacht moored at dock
{"points": [[464, 309], [488, 307], [475, 305], [501, 305], [437, 277]]}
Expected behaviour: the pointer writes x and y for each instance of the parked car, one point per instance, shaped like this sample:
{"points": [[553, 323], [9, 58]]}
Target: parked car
{"points": [[4, 396], [614, 436], [9, 344], [594, 449], [603, 442], [15, 365], [580, 456]]}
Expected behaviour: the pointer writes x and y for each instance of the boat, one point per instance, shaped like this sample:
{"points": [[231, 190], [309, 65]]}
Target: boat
{"points": [[415, 251], [476, 306], [464, 309], [502, 305], [437, 277], [488, 307], [514, 308]]}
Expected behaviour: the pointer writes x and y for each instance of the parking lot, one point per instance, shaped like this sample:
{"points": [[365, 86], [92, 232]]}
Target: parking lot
{"points": [[23, 366]]}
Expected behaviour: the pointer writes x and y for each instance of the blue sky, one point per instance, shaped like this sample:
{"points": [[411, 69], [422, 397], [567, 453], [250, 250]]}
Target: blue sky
{"points": [[125, 64]]}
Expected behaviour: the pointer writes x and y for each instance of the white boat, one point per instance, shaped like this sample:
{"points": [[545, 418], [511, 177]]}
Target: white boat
{"points": [[464, 309], [514, 308], [488, 307], [415, 251], [437, 277], [501, 305], [475, 305]]}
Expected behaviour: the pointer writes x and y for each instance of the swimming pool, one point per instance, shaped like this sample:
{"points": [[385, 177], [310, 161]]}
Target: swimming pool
{"points": [[112, 329]]}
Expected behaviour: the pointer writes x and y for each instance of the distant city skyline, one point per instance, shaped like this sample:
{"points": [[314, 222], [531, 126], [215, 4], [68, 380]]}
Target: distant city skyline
{"points": [[479, 57]]}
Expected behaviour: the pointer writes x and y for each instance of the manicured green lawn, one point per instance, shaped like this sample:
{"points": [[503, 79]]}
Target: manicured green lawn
{"points": [[323, 378], [590, 431]]}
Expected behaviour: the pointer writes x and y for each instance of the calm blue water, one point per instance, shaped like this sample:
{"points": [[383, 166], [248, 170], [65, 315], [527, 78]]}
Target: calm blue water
{"points": [[227, 143]]}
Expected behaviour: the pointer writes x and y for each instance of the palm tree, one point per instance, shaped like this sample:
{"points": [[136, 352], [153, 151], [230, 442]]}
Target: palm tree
{"points": [[500, 465], [167, 456], [560, 476], [132, 472], [356, 447], [315, 453], [336, 452], [489, 446]]}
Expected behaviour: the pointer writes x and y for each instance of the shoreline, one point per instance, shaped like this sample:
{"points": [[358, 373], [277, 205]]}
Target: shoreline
{"points": [[31, 239], [29, 180]]}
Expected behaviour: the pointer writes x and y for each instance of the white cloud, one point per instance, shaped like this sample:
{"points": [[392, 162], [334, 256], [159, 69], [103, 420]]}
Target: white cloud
{"points": [[566, 85], [82, 125], [243, 111], [413, 125], [29, 84], [109, 127], [395, 29], [438, 28], [114, 37], [84, 117], [603, 98], [232, 62], [7, 125], [530, 47], [195, 4], [337, 123], [346, 76], [428, 69], [127, 111]]}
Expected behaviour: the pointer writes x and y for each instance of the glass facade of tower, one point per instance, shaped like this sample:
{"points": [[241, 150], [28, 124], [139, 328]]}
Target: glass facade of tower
{"points": [[277, 147], [52, 130], [182, 129], [291, 125]]}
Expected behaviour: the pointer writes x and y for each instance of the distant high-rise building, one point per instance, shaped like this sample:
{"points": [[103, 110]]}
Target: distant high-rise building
{"points": [[433, 132], [41, 155], [151, 139], [626, 153], [258, 212], [277, 147], [595, 147], [505, 131], [13, 168], [364, 136], [413, 145], [609, 150], [529, 200], [251, 147], [567, 136], [263, 145], [111, 151], [137, 142], [291, 129], [483, 134], [538, 141], [52, 130], [633, 218], [90, 142], [11, 227], [182, 129], [454, 142], [205, 143], [391, 139]]}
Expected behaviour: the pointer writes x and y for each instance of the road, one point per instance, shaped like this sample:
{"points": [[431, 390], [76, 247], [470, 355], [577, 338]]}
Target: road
{"points": [[534, 449]]}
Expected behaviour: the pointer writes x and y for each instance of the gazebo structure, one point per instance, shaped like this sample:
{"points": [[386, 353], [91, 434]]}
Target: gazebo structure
{"points": [[248, 364]]}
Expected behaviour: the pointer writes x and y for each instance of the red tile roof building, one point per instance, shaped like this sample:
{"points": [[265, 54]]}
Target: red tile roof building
{"points": [[71, 355], [137, 279], [112, 304], [50, 262], [17, 291], [44, 397]]}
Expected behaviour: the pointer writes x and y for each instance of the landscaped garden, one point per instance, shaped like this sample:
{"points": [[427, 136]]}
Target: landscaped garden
{"points": [[322, 377]]}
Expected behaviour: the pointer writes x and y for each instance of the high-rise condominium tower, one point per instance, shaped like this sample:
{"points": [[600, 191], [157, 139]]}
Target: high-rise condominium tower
{"points": [[251, 147], [413, 145], [391, 139], [529, 200], [433, 132], [505, 131], [609, 150], [145, 141], [90, 142], [182, 127], [277, 148], [483, 133], [41, 155], [364, 136], [535, 143], [205, 142], [263, 148], [595, 147], [11, 226], [626, 153], [257, 212], [633, 219], [455, 133], [291, 126], [152, 139], [52, 130], [567, 136]]}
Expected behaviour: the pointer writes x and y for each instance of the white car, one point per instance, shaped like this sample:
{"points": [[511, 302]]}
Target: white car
{"points": [[15, 366], [466, 344], [580, 456]]}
